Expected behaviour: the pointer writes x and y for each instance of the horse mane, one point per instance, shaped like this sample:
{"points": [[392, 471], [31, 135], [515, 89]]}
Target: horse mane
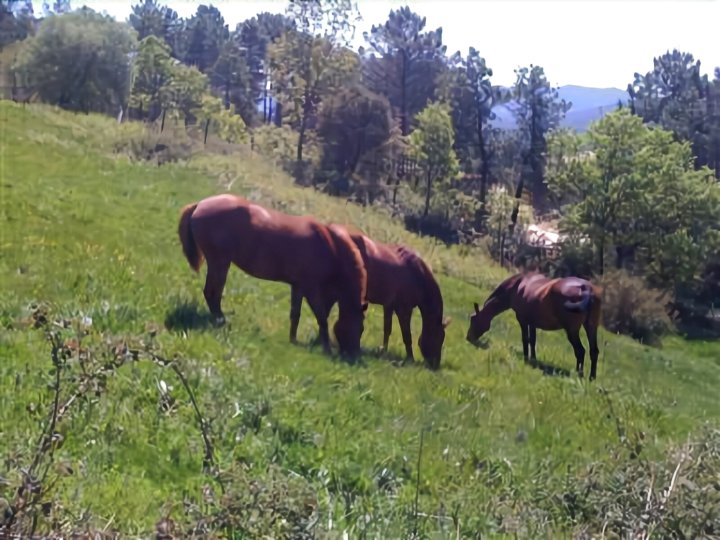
{"points": [[505, 285], [432, 296], [351, 264]]}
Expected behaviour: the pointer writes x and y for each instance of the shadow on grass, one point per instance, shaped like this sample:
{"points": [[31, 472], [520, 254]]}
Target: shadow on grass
{"points": [[548, 369], [483, 343], [397, 360], [188, 315]]}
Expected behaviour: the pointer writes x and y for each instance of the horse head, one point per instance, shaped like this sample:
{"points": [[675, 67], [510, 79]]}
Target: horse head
{"points": [[431, 341], [349, 329], [479, 324]]}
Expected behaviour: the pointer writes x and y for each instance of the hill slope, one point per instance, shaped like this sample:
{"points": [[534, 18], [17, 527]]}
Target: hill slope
{"points": [[307, 443]]}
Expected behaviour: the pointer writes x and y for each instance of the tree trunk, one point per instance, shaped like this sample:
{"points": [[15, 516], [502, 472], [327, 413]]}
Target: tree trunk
{"points": [[484, 165], [427, 194], [404, 122]]}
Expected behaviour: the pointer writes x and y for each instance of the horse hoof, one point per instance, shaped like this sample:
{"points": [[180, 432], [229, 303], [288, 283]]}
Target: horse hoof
{"points": [[219, 321]]}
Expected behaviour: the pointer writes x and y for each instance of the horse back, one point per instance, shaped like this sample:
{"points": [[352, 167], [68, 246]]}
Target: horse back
{"points": [[263, 242]]}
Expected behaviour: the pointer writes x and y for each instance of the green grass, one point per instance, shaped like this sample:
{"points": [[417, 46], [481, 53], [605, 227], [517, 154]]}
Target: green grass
{"points": [[87, 233]]}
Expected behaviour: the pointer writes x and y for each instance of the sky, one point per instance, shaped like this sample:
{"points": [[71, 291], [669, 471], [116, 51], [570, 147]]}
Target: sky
{"points": [[598, 43]]}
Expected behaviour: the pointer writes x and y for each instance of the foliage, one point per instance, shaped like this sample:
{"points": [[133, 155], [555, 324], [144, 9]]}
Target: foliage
{"points": [[305, 70], [149, 18], [333, 20], [229, 127], [16, 23], [254, 35], [473, 98], [632, 308], [537, 109], [355, 126], [677, 97], [432, 145], [79, 61], [500, 206], [205, 33], [231, 78], [153, 70], [183, 93], [279, 145], [408, 63], [636, 187]]}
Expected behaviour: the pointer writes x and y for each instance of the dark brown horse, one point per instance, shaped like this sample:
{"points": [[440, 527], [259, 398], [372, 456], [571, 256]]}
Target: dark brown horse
{"points": [[399, 280], [320, 261], [548, 304]]}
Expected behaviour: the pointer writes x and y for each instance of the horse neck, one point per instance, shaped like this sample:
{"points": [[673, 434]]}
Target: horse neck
{"points": [[354, 289], [500, 300], [431, 302]]}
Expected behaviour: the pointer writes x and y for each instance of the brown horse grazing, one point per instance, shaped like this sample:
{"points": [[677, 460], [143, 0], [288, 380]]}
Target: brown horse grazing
{"points": [[548, 304], [320, 261], [399, 280]]}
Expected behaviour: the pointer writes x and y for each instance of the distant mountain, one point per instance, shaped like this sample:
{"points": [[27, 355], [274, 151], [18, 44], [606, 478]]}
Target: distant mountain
{"points": [[588, 105]]}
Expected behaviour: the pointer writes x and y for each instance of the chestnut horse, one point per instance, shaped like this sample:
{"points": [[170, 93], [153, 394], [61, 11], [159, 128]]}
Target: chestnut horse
{"points": [[548, 304], [320, 261], [399, 280]]}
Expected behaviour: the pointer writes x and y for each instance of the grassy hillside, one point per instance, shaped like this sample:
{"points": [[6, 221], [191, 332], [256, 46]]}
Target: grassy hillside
{"points": [[308, 445]]}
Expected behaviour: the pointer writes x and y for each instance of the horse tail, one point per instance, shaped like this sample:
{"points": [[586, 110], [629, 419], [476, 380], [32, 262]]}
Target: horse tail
{"points": [[352, 266], [584, 304], [187, 239]]}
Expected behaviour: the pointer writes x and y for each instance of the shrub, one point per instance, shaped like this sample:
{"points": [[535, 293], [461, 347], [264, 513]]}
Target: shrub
{"points": [[631, 307], [141, 143], [500, 205], [279, 144]]}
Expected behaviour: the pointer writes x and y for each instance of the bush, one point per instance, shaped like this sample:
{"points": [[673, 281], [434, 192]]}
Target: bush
{"points": [[140, 143], [279, 144], [631, 307]]}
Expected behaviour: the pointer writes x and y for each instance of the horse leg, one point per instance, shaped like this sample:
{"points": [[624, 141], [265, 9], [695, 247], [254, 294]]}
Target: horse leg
{"points": [[295, 307], [404, 316], [214, 284], [532, 336], [318, 304], [574, 339], [591, 331], [387, 326], [525, 338]]}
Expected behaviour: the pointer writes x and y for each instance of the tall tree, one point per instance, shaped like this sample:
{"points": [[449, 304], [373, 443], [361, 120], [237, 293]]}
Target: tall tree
{"points": [[473, 98], [432, 145], [676, 96], [537, 109], [153, 71], [410, 60], [206, 32], [312, 62], [355, 126], [150, 18], [253, 37], [230, 76]]}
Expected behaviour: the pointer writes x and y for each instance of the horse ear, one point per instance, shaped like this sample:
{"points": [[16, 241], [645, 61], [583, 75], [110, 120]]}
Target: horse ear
{"points": [[446, 321], [477, 307]]}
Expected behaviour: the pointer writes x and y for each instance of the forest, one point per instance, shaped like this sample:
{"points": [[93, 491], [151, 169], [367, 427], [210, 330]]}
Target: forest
{"points": [[404, 123]]}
